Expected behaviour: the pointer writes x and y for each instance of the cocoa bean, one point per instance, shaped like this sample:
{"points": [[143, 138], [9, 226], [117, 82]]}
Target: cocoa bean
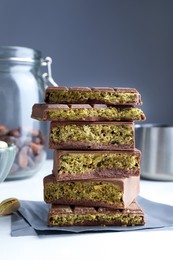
{"points": [[35, 148], [15, 132], [37, 140], [3, 130], [23, 157], [30, 147]]}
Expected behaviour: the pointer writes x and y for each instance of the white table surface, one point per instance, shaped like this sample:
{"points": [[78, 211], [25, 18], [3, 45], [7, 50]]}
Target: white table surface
{"points": [[110, 245]]}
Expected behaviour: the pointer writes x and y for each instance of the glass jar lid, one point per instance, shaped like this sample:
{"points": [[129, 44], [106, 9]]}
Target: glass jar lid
{"points": [[17, 53]]}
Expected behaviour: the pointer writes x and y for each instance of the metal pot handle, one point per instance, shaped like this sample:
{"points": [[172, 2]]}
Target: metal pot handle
{"points": [[47, 76]]}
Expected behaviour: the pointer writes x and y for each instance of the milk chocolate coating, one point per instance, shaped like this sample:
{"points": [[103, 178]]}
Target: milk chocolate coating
{"points": [[76, 112], [55, 141], [128, 187], [64, 215], [83, 97], [98, 172]]}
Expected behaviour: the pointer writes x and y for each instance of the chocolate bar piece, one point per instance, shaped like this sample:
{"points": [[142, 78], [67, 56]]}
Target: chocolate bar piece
{"points": [[92, 135], [112, 193], [72, 165], [77, 95], [85, 112], [95, 164], [62, 215]]}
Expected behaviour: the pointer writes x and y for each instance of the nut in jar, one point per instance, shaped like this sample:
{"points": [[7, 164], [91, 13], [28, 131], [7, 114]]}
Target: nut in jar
{"points": [[30, 149]]}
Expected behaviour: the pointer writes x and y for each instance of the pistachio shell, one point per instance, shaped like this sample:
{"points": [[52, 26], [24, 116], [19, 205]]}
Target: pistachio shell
{"points": [[9, 206]]}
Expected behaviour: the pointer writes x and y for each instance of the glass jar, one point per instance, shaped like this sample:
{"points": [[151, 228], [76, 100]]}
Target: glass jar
{"points": [[21, 86]]}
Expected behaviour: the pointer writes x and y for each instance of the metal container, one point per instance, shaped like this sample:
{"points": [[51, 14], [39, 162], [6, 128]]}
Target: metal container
{"points": [[156, 144]]}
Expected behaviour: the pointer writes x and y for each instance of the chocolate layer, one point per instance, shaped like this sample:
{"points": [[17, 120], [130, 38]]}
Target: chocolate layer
{"points": [[112, 193], [62, 215], [92, 135], [72, 165], [85, 112], [115, 96]]}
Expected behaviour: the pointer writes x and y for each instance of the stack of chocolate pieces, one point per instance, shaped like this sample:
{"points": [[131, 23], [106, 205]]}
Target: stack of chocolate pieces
{"points": [[96, 169]]}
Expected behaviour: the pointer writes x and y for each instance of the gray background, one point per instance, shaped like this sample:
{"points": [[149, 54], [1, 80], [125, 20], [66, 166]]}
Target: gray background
{"points": [[121, 43]]}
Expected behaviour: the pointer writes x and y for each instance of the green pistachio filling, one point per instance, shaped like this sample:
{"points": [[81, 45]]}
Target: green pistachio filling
{"points": [[110, 113], [77, 164], [86, 190], [109, 134], [71, 96], [72, 219]]}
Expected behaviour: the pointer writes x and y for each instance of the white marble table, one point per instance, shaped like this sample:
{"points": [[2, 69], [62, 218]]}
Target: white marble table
{"points": [[110, 245]]}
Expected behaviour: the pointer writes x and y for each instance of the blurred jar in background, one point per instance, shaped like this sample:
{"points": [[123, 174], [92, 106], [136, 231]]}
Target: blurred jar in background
{"points": [[22, 85]]}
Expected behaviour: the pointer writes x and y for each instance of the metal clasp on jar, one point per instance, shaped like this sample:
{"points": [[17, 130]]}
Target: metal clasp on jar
{"points": [[47, 76]]}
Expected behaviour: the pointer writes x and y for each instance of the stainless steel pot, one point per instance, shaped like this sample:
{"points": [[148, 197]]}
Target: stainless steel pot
{"points": [[156, 144]]}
